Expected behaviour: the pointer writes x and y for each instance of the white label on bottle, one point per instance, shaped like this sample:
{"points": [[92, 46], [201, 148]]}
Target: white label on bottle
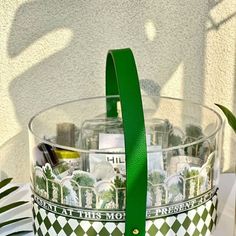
{"points": [[115, 140], [117, 161]]}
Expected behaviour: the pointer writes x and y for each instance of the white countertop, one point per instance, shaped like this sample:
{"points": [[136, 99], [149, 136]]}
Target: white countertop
{"points": [[226, 218], [227, 198]]}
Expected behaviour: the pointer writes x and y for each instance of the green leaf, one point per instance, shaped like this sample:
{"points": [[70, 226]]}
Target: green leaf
{"points": [[11, 206], [7, 192], [20, 232], [193, 131], [83, 180], [13, 221], [48, 172], [3, 209], [5, 182], [230, 116]]}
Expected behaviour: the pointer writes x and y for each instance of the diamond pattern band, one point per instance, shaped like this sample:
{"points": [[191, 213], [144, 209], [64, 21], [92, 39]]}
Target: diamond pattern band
{"points": [[199, 221]]}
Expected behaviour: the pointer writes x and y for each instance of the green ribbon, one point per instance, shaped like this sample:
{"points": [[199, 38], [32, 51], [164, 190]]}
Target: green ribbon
{"points": [[122, 79]]}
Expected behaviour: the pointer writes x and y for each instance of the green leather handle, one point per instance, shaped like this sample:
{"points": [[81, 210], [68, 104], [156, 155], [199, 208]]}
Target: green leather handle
{"points": [[122, 79]]}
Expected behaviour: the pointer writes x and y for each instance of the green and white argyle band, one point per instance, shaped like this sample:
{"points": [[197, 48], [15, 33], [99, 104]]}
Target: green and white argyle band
{"points": [[199, 221]]}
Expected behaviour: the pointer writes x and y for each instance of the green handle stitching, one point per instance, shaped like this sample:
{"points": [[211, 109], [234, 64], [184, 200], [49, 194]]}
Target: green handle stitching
{"points": [[122, 79]]}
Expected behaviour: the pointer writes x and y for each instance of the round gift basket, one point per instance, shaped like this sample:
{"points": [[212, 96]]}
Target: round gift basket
{"points": [[123, 164]]}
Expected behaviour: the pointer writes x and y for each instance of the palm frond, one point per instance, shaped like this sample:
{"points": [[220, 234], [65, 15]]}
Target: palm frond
{"points": [[23, 232], [13, 221], [8, 191], [4, 182], [11, 206], [229, 115]]}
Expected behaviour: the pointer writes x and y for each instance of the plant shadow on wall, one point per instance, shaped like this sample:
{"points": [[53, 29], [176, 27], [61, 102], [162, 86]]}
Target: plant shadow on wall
{"points": [[66, 44]]}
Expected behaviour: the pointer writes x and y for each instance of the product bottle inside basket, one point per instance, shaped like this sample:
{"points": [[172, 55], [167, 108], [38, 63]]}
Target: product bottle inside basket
{"points": [[80, 177]]}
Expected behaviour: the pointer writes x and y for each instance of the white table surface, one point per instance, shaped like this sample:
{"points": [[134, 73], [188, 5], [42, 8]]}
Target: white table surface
{"points": [[225, 227]]}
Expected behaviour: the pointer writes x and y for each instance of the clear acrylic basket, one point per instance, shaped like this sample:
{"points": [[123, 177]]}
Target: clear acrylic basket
{"points": [[78, 168]]}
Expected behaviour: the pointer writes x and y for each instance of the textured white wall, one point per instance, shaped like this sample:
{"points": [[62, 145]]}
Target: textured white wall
{"points": [[54, 51]]}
